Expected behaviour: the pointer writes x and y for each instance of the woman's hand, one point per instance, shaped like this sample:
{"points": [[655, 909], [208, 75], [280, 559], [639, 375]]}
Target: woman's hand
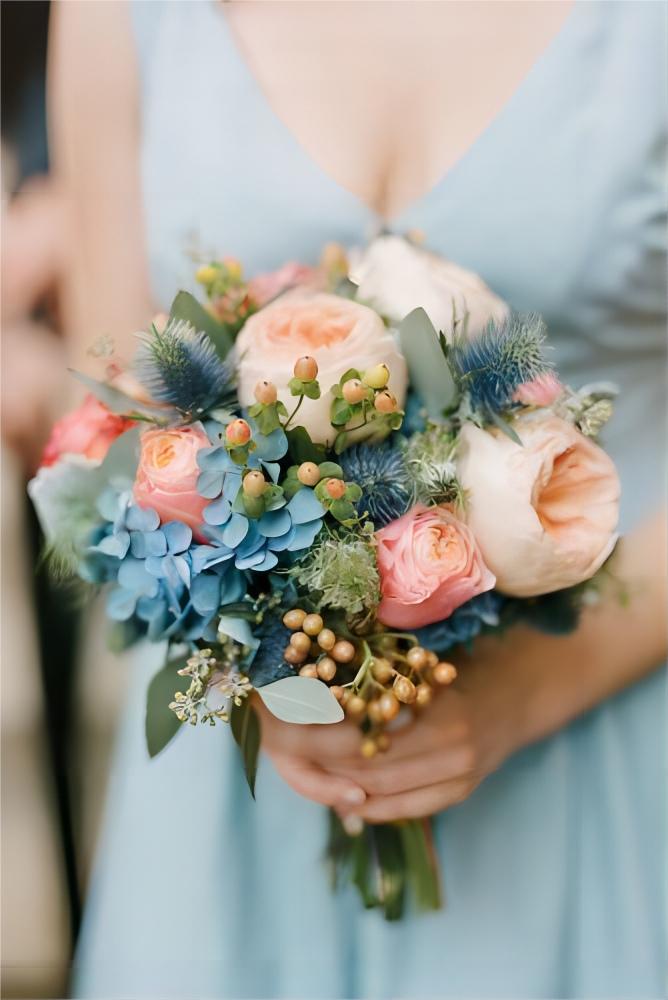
{"points": [[514, 690]]}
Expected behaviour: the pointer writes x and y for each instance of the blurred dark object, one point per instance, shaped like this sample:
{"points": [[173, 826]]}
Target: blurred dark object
{"points": [[25, 27]]}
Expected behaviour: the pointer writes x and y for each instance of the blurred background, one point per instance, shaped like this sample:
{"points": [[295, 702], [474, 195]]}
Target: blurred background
{"points": [[53, 771]]}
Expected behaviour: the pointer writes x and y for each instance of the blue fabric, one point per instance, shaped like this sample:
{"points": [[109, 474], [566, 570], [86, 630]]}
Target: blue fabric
{"points": [[554, 868]]}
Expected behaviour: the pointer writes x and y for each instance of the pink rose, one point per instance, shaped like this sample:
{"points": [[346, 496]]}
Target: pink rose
{"points": [[429, 564], [167, 474], [264, 287], [544, 512], [338, 333], [89, 430], [541, 391]]}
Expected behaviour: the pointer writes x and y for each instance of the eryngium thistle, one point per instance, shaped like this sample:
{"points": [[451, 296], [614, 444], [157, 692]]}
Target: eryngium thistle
{"points": [[493, 364], [430, 457], [464, 624], [180, 366], [382, 474]]}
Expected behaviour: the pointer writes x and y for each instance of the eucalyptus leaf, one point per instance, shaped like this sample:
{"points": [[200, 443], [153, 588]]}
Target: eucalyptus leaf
{"points": [[245, 727], [162, 724], [185, 306], [429, 371], [301, 700], [119, 402]]}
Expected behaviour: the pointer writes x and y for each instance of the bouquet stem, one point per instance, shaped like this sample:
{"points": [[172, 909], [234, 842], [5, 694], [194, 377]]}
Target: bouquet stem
{"points": [[388, 863]]}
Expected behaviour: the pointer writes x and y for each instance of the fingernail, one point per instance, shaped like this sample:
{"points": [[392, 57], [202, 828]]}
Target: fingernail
{"points": [[355, 796]]}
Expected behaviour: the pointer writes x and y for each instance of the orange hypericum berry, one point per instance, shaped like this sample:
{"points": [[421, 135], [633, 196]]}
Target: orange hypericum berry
{"points": [[353, 391], [265, 392], [294, 619], [306, 368], [335, 488], [445, 673], [254, 483], [385, 402], [238, 432], [308, 474]]}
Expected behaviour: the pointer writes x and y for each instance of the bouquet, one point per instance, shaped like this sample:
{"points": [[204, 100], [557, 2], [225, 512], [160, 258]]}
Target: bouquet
{"points": [[313, 485]]}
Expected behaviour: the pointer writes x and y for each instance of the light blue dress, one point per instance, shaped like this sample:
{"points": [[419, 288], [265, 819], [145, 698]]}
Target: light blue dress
{"points": [[554, 868]]}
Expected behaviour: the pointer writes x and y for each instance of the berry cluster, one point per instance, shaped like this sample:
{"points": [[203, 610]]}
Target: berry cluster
{"points": [[374, 676]]}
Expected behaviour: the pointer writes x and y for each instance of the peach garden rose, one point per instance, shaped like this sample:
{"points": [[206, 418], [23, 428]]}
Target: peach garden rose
{"points": [[167, 474], [429, 564], [88, 431], [338, 333], [544, 512]]}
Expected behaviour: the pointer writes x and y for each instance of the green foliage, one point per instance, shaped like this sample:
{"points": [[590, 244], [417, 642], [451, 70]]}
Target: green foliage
{"points": [[302, 449], [430, 457], [267, 416], [245, 726], [342, 571], [310, 389], [186, 307], [161, 724], [429, 371]]}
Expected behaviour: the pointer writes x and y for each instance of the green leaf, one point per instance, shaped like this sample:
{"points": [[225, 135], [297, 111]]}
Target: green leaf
{"points": [[504, 426], [311, 390], [296, 386], [353, 492], [421, 863], [185, 306], [161, 723], [330, 470], [343, 510], [301, 700], [340, 413], [351, 373], [302, 448], [245, 727], [429, 372]]}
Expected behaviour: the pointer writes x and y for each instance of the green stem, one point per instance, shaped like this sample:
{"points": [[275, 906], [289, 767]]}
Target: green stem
{"points": [[293, 414]]}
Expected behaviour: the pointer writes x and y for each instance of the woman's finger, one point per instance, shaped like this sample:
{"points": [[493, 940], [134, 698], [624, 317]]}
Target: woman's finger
{"points": [[414, 804], [391, 777], [313, 783]]}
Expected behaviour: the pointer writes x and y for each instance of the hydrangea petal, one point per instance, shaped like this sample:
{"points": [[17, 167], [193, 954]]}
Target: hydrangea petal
{"points": [[142, 518], [121, 604], [274, 523], [282, 543], [269, 561], [234, 587], [209, 484], [304, 536], [147, 543], [178, 536], [205, 593], [217, 512], [212, 459], [270, 447], [235, 531], [305, 507], [133, 575], [114, 545], [231, 485], [273, 469]]}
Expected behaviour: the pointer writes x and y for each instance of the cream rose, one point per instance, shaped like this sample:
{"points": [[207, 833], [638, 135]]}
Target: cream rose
{"points": [[396, 276], [338, 333], [545, 512]]}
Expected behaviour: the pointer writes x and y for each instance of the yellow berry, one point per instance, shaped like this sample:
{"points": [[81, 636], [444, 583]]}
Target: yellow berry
{"points": [[404, 689], [385, 402], [335, 488], [343, 651], [308, 670], [416, 657], [265, 392], [376, 377], [254, 484], [233, 267], [445, 673], [368, 747], [306, 368], [301, 642], [308, 474], [423, 695], [382, 670], [293, 656], [326, 668], [389, 706], [312, 624], [353, 391], [238, 432], [207, 274], [294, 619], [432, 659]]}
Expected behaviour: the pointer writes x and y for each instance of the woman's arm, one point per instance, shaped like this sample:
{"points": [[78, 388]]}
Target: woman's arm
{"points": [[511, 691], [94, 141]]}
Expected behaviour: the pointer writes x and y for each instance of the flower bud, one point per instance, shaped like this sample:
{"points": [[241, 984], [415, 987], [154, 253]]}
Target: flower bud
{"points": [[306, 369], [265, 392], [376, 377], [238, 432], [404, 689], [233, 268], [207, 274]]}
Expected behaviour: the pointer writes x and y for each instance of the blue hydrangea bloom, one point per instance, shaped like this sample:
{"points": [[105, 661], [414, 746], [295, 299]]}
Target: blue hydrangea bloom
{"points": [[221, 475], [152, 565], [255, 544], [464, 624]]}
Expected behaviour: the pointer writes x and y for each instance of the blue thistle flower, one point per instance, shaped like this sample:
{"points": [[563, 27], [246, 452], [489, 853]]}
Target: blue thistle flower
{"points": [[464, 624], [180, 366], [493, 364], [382, 474]]}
